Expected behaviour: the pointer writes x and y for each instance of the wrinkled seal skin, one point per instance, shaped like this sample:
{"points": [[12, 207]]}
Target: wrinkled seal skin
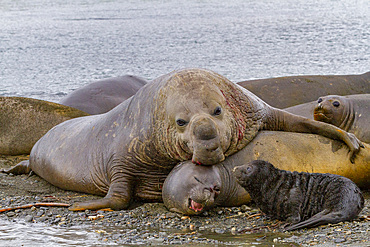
{"points": [[126, 153], [285, 149], [23, 121], [191, 189], [283, 92], [350, 113], [103, 95], [303, 199]]}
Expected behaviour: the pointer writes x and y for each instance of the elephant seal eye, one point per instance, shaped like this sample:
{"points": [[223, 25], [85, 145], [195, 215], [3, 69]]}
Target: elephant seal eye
{"points": [[217, 111], [319, 100], [336, 103], [181, 122]]}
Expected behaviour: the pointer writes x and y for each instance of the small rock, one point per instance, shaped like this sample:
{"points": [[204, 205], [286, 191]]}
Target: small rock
{"points": [[28, 218], [219, 231], [339, 240], [95, 217], [10, 214], [40, 213]]}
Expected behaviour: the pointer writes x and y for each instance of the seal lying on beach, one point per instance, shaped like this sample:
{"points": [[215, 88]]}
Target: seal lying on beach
{"points": [[182, 193], [303, 199], [191, 189], [350, 113], [190, 114], [103, 95], [283, 92], [23, 121]]}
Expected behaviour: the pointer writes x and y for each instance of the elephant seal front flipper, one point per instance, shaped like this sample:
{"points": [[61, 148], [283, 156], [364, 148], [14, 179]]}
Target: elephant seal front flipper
{"points": [[285, 121]]}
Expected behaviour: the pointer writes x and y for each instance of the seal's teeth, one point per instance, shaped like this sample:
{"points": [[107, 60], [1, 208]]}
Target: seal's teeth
{"points": [[197, 207]]}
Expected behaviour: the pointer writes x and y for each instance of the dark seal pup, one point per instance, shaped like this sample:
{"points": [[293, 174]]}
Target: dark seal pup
{"points": [[283, 92], [303, 199], [103, 95], [126, 153]]}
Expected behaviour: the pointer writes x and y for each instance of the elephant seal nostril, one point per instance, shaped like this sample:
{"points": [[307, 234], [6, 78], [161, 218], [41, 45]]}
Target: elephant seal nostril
{"points": [[205, 131]]}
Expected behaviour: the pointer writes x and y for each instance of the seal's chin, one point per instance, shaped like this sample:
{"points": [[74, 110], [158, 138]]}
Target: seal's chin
{"points": [[319, 116], [197, 207], [208, 157]]}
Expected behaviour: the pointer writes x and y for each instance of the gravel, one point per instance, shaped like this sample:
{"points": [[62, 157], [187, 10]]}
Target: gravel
{"points": [[153, 224]]}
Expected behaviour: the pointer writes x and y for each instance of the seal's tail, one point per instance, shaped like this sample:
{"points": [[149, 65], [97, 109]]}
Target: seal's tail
{"points": [[21, 168]]}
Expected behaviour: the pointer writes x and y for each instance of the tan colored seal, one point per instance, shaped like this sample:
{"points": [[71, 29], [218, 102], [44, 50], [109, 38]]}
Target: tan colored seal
{"points": [[23, 121]]}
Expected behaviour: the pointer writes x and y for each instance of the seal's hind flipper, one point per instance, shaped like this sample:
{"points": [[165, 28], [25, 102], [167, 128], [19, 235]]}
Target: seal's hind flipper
{"points": [[322, 218], [21, 168]]}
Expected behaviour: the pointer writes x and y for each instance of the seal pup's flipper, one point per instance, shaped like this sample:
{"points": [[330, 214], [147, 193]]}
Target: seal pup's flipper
{"points": [[322, 218], [20, 168]]}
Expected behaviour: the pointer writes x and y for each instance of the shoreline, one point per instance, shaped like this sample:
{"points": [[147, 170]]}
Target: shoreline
{"points": [[152, 223]]}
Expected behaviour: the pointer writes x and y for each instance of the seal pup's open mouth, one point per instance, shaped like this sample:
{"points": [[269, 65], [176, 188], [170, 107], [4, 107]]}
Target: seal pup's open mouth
{"points": [[197, 207]]}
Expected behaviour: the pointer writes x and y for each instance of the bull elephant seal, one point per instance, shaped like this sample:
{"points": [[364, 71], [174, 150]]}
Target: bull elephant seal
{"points": [[103, 95], [283, 92], [190, 114], [184, 194], [191, 189], [350, 113], [23, 121], [303, 199]]}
